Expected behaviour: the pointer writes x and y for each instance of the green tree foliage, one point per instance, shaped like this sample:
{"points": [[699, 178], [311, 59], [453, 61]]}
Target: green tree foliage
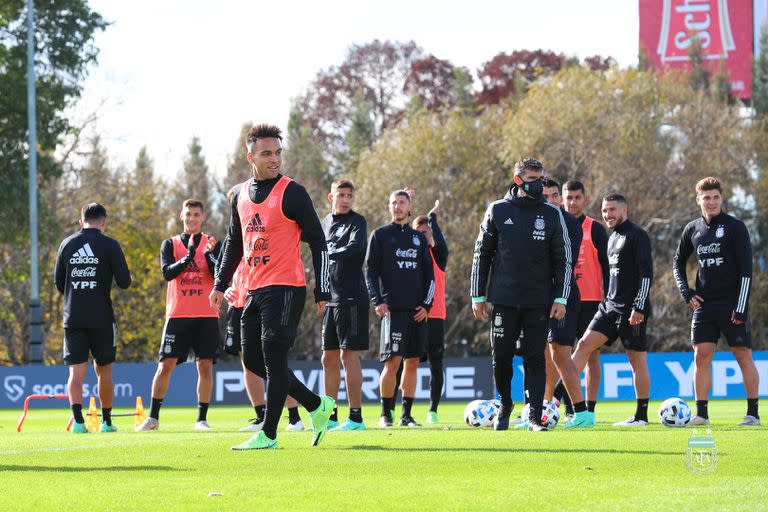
{"points": [[760, 77]]}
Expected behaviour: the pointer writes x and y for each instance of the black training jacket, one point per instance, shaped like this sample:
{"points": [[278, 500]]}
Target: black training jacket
{"points": [[399, 269], [86, 264], [631, 270], [724, 254], [347, 238], [524, 247]]}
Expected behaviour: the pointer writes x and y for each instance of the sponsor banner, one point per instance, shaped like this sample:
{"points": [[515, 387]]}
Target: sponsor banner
{"points": [[465, 379], [724, 29]]}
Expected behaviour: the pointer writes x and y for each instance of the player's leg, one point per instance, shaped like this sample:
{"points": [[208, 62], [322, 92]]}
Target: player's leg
{"points": [[743, 356], [204, 390], [174, 347], [391, 349], [505, 329], [535, 326], [435, 352], [593, 374], [294, 417], [638, 360], [206, 346], [353, 378], [331, 358], [254, 387], [561, 356], [601, 331], [703, 352], [387, 383], [408, 388], [103, 344], [76, 357]]}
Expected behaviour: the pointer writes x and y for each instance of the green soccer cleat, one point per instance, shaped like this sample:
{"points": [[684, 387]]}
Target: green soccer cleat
{"points": [[432, 418], [583, 419], [320, 418], [258, 442], [349, 425], [332, 424], [107, 428], [79, 428]]}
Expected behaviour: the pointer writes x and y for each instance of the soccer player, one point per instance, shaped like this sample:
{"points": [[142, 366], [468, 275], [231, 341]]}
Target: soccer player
{"points": [[591, 272], [438, 250], [523, 245], [720, 300], [188, 263], [271, 214], [625, 310], [86, 264], [401, 285], [345, 324]]}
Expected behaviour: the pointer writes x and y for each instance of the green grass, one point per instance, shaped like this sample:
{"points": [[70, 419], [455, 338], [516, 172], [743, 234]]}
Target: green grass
{"points": [[446, 467]]}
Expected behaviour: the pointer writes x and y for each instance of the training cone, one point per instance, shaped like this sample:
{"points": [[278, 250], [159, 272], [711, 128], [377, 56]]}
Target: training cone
{"points": [[141, 415], [92, 421]]}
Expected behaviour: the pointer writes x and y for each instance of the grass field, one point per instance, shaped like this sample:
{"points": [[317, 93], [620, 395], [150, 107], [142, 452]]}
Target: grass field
{"points": [[445, 467]]}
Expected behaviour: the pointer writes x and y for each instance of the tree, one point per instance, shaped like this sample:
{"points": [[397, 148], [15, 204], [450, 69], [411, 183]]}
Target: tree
{"points": [[238, 167], [433, 82], [760, 77], [699, 75], [360, 135], [599, 63], [511, 73]]}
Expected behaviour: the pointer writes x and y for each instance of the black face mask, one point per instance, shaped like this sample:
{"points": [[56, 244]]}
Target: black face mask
{"points": [[534, 189]]}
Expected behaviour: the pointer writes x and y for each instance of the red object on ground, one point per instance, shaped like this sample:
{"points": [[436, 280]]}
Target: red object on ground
{"points": [[36, 397]]}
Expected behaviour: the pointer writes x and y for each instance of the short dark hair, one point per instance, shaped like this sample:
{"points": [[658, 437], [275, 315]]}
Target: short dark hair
{"points": [[615, 197], [192, 203], [709, 183], [263, 131], [93, 212], [400, 192], [342, 184], [420, 221], [549, 182], [574, 185], [528, 163]]}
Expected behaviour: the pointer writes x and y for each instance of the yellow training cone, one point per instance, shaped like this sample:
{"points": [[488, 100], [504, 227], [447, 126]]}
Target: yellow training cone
{"points": [[141, 415], [92, 421]]}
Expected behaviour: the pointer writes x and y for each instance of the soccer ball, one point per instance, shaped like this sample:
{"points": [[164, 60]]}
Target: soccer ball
{"points": [[674, 412], [550, 414], [481, 413]]}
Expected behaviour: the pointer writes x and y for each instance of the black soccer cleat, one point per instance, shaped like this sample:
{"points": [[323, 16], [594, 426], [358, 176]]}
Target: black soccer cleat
{"points": [[408, 421], [502, 420]]}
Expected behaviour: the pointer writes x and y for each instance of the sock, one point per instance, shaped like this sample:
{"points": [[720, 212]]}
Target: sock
{"points": [[293, 415], [154, 412], [701, 409], [560, 393], [641, 410], [77, 413], [387, 404], [106, 415], [591, 405], [580, 406], [436, 380], [407, 403], [202, 411], [752, 407], [259, 412], [356, 414], [335, 415]]}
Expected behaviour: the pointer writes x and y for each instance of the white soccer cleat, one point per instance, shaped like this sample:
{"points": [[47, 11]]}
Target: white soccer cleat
{"points": [[253, 427], [698, 421], [631, 422], [147, 425], [750, 421], [295, 427], [202, 425]]}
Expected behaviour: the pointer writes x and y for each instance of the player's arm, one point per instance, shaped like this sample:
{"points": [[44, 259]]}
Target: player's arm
{"points": [[60, 270], [440, 250], [561, 260], [212, 257], [357, 242], [298, 207], [645, 271], [679, 262], [485, 248], [600, 241], [232, 253], [120, 267], [428, 273], [373, 270], [170, 267], [743, 250]]}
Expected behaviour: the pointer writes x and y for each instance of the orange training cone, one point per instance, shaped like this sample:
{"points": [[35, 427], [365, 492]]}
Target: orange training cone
{"points": [[92, 421], [141, 415]]}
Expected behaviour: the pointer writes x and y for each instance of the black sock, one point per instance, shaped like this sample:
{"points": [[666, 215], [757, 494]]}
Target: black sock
{"points": [[335, 415], [356, 414], [752, 407], [154, 412], [436, 380], [580, 406], [569, 409], [202, 411], [701, 409], [387, 404], [407, 403], [259, 412], [293, 415], [591, 405], [106, 415], [560, 393], [641, 410], [77, 413]]}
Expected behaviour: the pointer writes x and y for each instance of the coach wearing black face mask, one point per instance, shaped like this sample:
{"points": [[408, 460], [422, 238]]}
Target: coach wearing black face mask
{"points": [[523, 244]]}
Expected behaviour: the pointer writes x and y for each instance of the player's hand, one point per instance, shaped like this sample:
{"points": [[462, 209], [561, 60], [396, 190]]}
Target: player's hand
{"points": [[412, 194], [636, 318], [382, 310], [695, 302], [230, 294], [210, 245], [733, 319], [421, 314], [480, 310], [320, 308], [558, 311], [216, 298], [435, 209], [191, 246]]}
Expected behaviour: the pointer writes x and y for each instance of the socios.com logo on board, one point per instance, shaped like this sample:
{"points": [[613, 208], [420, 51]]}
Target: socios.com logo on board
{"points": [[14, 387]]}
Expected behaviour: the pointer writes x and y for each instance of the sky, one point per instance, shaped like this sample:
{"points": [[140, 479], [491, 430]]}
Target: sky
{"points": [[170, 70]]}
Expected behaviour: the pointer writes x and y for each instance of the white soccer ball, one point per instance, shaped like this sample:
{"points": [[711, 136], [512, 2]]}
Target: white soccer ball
{"points": [[674, 412], [550, 415], [481, 413]]}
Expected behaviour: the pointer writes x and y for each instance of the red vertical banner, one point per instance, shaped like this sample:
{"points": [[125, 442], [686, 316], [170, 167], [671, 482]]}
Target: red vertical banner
{"points": [[723, 28]]}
